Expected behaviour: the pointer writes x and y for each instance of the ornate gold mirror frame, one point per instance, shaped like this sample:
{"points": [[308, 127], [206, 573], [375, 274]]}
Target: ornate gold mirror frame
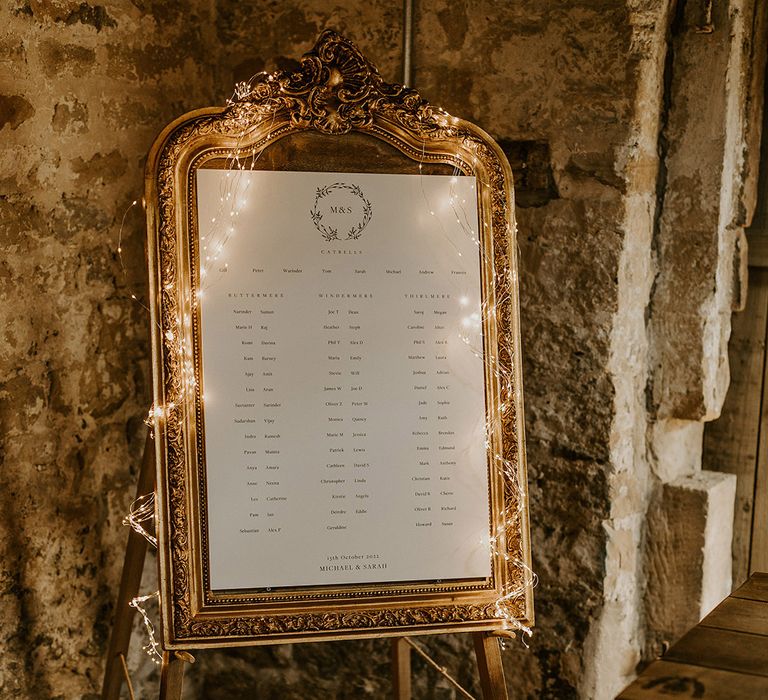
{"points": [[333, 114]]}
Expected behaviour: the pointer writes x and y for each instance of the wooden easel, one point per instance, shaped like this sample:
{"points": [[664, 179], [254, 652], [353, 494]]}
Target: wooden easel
{"points": [[487, 651]]}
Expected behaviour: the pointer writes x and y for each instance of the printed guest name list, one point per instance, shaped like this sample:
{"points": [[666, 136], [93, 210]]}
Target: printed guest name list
{"points": [[343, 379]]}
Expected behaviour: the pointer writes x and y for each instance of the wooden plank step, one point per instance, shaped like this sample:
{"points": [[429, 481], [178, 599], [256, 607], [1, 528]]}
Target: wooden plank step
{"points": [[754, 589], [723, 649], [740, 615], [669, 679]]}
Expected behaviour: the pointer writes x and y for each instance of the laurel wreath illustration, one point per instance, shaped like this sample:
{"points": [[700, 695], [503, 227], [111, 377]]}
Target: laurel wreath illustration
{"points": [[331, 233]]}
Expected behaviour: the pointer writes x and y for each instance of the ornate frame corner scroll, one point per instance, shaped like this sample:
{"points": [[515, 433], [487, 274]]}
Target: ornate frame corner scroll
{"points": [[337, 97]]}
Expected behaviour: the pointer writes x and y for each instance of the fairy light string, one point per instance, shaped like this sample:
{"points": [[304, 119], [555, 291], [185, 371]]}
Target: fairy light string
{"points": [[119, 251], [509, 521], [234, 188], [142, 510], [152, 648]]}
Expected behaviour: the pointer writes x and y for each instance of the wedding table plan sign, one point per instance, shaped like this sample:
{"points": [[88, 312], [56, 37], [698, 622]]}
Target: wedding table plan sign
{"points": [[336, 354]]}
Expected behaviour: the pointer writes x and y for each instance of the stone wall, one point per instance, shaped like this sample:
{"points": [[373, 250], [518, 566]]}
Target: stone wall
{"points": [[83, 91], [633, 185]]}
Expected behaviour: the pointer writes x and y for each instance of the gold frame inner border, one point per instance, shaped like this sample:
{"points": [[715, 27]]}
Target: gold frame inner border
{"points": [[334, 114]]}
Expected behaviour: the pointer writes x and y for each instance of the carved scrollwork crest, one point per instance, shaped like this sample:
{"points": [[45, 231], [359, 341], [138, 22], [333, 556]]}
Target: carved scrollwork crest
{"points": [[336, 89]]}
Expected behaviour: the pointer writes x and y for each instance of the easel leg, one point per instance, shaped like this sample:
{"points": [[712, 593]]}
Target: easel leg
{"points": [[172, 674], [489, 665], [133, 565], [401, 669]]}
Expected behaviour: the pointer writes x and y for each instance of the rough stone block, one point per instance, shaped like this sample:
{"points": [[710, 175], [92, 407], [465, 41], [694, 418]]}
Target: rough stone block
{"points": [[705, 200], [14, 110], [688, 554], [676, 446]]}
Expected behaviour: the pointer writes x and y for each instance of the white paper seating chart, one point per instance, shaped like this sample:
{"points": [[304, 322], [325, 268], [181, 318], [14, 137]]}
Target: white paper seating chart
{"points": [[344, 401]]}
